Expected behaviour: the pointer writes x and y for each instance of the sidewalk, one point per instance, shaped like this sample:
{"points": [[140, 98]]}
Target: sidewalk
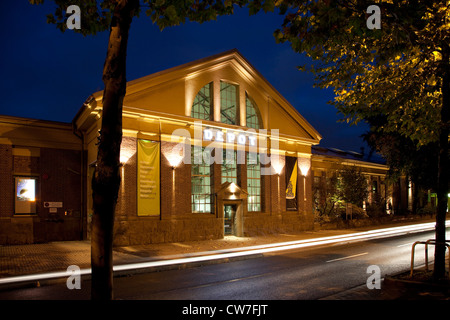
{"points": [[20, 260], [398, 287]]}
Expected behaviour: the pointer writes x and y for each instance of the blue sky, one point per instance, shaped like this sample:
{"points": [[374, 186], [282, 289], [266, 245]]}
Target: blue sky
{"points": [[47, 74]]}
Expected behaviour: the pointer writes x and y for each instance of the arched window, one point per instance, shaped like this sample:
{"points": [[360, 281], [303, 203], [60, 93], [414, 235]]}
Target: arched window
{"points": [[202, 106], [253, 119], [229, 97]]}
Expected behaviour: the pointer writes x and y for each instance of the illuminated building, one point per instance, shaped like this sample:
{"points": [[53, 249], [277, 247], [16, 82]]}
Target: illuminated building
{"points": [[209, 148], [218, 108]]}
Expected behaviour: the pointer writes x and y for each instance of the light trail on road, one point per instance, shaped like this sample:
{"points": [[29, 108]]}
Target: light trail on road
{"points": [[241, 252]]}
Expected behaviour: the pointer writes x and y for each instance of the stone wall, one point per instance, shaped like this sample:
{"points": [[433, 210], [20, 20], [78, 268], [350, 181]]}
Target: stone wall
{"points": [[147, 230], [259, 224]]}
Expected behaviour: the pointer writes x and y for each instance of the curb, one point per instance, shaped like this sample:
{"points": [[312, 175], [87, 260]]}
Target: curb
{"points": [[411, 289], [391, 281]]}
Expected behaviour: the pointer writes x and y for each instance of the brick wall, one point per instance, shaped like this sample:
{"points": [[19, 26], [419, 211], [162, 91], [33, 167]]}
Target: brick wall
{"points": [[176, 221], [127, 198], [274, 217], [58, 174], [24, 164], [6, 181], [175, 194]]}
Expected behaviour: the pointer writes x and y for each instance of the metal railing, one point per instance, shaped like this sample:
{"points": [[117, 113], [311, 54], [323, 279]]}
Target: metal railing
{"points": [[426, 243]]}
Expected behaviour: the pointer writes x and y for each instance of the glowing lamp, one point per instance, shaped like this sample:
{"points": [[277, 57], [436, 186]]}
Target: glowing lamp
{"points": [[304, 164], [174, 158], [233, 187], [125, 155], [278, 167]]}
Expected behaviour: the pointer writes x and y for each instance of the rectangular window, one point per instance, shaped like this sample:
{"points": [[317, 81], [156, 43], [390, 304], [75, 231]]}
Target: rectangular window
{"points": [[25, 195], [229, 95], [253, 182], [201, 183], [229, 167]]}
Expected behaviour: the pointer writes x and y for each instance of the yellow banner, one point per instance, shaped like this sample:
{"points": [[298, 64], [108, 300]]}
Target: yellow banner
{"points": [[292, 185], [148, 202]]}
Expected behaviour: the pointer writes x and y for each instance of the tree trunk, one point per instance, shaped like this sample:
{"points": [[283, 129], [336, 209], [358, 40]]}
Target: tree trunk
{"points": [[106, 180], [443, 170]]}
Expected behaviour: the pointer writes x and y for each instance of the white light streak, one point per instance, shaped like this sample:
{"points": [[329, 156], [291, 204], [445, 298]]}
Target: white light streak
{"points": [[239, 252]]}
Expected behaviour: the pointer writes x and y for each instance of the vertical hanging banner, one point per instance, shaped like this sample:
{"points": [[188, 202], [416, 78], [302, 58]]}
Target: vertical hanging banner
{"points": [[148, 178], [292, 185]]}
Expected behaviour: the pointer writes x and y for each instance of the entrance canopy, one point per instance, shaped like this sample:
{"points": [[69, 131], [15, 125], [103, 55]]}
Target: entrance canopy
{"points": [[231, 191]]}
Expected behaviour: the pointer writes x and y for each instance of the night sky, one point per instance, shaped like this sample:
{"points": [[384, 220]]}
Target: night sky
{"points": [[47, 74]]}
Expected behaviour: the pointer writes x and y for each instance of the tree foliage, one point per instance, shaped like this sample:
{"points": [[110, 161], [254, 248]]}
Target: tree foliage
{"points": [[96, 15], [403, 156], [352, 186], [393, 71], [332, 195], [401, 71]]}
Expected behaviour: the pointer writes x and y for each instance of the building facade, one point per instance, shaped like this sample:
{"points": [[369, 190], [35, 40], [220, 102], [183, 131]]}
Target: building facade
{"points": [[209, 149], [41, 181], [328, 163]]}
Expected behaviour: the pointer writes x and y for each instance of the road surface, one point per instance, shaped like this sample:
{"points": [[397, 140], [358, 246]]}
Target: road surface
{"points": [[305, 273]]}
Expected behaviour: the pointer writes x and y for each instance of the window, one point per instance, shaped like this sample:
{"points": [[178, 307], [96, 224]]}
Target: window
{"points": [[229, 98], [229, 167], [25, 195], [253, 182], [253, 120], [202, 106], [201, 183]]}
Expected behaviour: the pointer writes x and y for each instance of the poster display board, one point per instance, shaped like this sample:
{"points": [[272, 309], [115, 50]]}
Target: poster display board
{"points": [[25, 195]]}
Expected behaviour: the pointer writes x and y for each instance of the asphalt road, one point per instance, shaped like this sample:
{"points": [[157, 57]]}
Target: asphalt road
{"points": [[305, 274]]}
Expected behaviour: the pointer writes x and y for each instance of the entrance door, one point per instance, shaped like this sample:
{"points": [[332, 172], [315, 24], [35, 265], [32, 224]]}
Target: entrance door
{"points": [[229, 215]]}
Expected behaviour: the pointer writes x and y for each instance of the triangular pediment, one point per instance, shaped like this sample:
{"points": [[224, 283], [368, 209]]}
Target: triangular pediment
{"points": [[170, 93], [231, 191]]}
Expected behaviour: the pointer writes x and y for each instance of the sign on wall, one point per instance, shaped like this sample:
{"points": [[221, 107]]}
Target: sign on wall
{"points": [[48, 204], [148, 178]]}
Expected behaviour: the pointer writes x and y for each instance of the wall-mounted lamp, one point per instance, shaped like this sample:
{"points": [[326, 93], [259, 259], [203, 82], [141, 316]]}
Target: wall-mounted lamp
{"points": [[125, 155], [304, 170], [278, 167], [174, 158], [304, 164]]}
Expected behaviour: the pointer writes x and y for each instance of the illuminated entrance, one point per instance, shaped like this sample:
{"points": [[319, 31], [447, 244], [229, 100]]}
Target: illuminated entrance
{"points": [[231, 204], [229, 218]]}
